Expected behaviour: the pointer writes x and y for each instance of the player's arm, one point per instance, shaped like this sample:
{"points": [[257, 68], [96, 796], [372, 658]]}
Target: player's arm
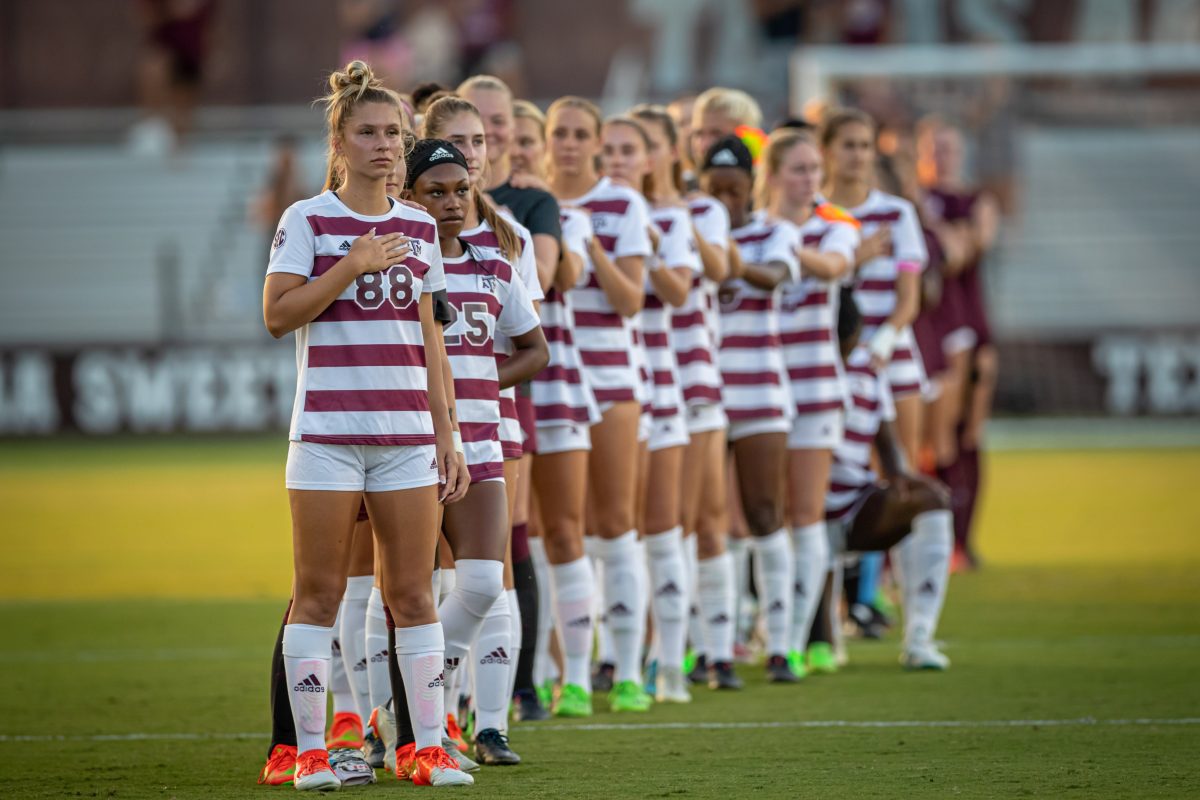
{"points": [[440, 400], [891, 455], [826, 266], [713, 258], [621, 280], [765, 276], [530, 355]]}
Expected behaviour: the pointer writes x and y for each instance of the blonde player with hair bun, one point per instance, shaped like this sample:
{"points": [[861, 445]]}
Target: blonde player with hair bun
{"points": [[720, 112]]}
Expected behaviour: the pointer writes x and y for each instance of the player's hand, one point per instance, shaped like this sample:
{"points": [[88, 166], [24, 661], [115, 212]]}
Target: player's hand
{"points": [[371, 253], [411, 204], [655, 236], [447, 466], [464, 479], [877, 244]]}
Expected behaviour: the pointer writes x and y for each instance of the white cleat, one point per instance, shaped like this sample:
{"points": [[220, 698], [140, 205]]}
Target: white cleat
{"points": [[464, 761], [671, 686], [435, 767], [924, 656], [313, 773]]}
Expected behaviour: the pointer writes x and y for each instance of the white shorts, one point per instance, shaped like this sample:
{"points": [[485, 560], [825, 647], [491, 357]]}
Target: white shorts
{"points": [[960, 340], [821, 430], [668, 432], [744, 429], [563, 438], [359, 467], [645, 426], [706, 417]]}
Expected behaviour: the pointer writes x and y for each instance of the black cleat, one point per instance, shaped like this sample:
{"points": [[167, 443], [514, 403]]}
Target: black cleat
{"points": [[527, 707], [699, 673], [602, 678], [779, 671], [867, 622], [492, 750], [723, 676]]}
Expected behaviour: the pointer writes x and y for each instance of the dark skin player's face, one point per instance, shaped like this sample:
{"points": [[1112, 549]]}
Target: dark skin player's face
{"points": [[445, 191], [733, 187]]}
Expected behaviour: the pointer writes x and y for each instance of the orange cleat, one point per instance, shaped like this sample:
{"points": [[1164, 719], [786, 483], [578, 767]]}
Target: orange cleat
{"points": [[280, 768], [313, 772], [406, 762], [455, 734], [434, 767], [346, 731]]}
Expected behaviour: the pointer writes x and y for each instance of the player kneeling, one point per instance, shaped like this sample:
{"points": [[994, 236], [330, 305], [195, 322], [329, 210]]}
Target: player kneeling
{"points": [[898, 510]]}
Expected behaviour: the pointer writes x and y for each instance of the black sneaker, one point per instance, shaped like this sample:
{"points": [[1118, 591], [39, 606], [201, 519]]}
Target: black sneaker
{"points": [[491, 749], [866, 623], [699, 673], [723, 676], [374, 750], [779, 671], [527, 707], [602, 678]]}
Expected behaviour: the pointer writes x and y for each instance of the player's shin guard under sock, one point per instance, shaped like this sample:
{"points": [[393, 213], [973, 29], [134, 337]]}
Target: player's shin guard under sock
{"points": [[283, 725], [515, 639], [669, 594], [306, 657], [379, 684], [574, 596], [810, 551], [353, 639], [624, 603], [478, 584], [922, 562], [715, 584], [420, 653], [773, 576], [543, 669], [492, 667]]}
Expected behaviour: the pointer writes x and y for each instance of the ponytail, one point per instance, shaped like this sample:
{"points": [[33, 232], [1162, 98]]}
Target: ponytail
{"points": [[510, 242]]}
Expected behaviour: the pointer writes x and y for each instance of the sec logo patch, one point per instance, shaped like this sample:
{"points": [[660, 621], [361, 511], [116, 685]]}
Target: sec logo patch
{"points": [[280, 238]]}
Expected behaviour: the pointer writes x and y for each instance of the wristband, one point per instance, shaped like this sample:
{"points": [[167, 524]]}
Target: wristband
{"points": [[883, 342], [458, 444]]}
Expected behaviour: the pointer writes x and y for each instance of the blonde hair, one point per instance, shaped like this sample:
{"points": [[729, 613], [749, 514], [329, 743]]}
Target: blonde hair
{"points": [[488, 83], [648, 112], [648, 186], [733, 103], [779, 144], [523, 109], [350, 88], [574, 101], [437, 117]]}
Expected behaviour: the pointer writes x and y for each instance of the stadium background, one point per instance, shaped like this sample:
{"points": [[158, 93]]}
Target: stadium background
{"points": [[142, 405]]}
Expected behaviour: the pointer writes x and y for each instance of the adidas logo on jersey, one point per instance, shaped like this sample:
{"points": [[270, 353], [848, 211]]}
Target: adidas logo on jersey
{"points": [[724, 158], [309, 684], [438, 682], [344, 246], [380, 657], [580, 622], [497, 656], [670, 590], [440, 153]]}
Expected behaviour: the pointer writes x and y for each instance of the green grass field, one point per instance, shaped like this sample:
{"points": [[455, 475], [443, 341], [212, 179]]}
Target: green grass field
{"points": [[142, 582]]}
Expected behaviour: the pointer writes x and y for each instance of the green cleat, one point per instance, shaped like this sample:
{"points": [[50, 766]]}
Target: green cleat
{"points": [[629, 696], [573, 701], [795, 660], [821, 659], [545, 694], [689, 661]]}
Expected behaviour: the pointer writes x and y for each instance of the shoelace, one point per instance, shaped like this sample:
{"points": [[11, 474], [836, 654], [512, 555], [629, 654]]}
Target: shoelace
{"points": [[309, 764], [443, 759], [494, 738]]}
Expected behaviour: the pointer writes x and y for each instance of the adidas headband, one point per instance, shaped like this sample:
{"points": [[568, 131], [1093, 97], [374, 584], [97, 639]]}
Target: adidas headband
{"points": [[429, 153], [729, 151]]}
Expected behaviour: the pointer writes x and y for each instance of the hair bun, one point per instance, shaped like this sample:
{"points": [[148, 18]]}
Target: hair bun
{"points": [[357, 76]]}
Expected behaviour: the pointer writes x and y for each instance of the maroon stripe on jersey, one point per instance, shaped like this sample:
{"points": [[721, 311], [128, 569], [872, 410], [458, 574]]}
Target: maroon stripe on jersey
{"points": [[597, 319], [747, 341], [350, 311], [619, 395], [366, 355], [592, 282], [865, 403], [807, 337], [466, 348], [487, 267], [320, 401], [697, 355], [880, 216], [874, 319], [655, 339], [877, 285], [692, 319], [512, 450], [902, 354], [477, 389], [811, 239], [859, 436], [485, 472], [709, 394], [741, 414], [840, 488], [663, 378], [754, 304], [405, 440], [555, 333], [861, 369], [556, 372], [750, 238], [814, 408], [607, 243], [604, 358], [322, 264], [663, 413], [665, 224], [653, 302], [811, 373], [486, 238], [901, 390], [811, 299], [557, 412], [607, 206], [479, 431], [349, 226], [768, 378], [490, 300]]}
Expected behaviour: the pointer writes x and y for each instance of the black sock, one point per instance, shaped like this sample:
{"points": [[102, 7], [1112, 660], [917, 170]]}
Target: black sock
{"points": [[283, 727], [404, 730], [525, 582], [850, 581], [822, 626]]}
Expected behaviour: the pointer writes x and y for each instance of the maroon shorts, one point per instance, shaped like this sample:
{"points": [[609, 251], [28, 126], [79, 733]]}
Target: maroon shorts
{"points": [[930, 345]]}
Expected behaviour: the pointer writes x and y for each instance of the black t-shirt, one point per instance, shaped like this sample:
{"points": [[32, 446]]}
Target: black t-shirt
{"points": [[533, 208]]}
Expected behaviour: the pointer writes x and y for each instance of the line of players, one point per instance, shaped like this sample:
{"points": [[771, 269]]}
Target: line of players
{"points": [[643, 380]]}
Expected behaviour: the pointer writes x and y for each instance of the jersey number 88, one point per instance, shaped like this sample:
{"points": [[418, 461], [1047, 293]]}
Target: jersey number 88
{"points": [[396, 285]]}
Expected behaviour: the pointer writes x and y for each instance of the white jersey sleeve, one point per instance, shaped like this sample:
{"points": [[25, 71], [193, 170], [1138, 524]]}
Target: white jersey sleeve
{"points": [[526, 266], [576, 231], [782, 246], [677, 245], [713, 224], [908, 243], [843, 239], [435, 278], [293, 248], [633, 234], [517, 315]]}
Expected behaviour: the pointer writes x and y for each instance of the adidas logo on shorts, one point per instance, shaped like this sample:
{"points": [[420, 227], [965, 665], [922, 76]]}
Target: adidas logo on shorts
{"points": [[309, 684], [440, 153], [452, 664], [497, 656], [433, 463]]}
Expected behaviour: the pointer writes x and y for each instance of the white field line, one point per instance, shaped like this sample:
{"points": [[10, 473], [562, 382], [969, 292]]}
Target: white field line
{"points": [[663, 726]]}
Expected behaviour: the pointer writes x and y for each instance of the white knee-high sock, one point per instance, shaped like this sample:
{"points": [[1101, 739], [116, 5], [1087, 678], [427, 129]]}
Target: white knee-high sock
{"points": [[624, 603], [669, 594], [379, 684], [739, 551], [543, 669], [306, 656], [715, 595], [492, 664], [695, 623], [574, 598], [344, 701], [773, 576], [922, 562], [516, 640], [592, 546], [420, 653], [810, 551], [478, 584], [353, 639]]}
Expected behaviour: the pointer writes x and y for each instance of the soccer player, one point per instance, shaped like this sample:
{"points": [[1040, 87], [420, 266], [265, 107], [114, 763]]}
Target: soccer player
{"points": [[905, 512], [488, 299], [756, 395], [371, 415], [720, 112], [528, 149], [788, 184], [612, 294]]}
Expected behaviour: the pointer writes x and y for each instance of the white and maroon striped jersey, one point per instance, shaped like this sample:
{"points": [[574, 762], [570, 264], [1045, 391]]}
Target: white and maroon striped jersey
{"points": [[712, 225], [620, 224], [482, 236], [676, 248], [694, 324], [360, 364], [875, 283], [488, 300], [870, 404], [751, 356], [808, 322], [561, 392]]}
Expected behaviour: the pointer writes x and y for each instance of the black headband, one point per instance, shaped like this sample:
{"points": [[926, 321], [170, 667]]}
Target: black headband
{"points": [[729, 151], [429, 153]]}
